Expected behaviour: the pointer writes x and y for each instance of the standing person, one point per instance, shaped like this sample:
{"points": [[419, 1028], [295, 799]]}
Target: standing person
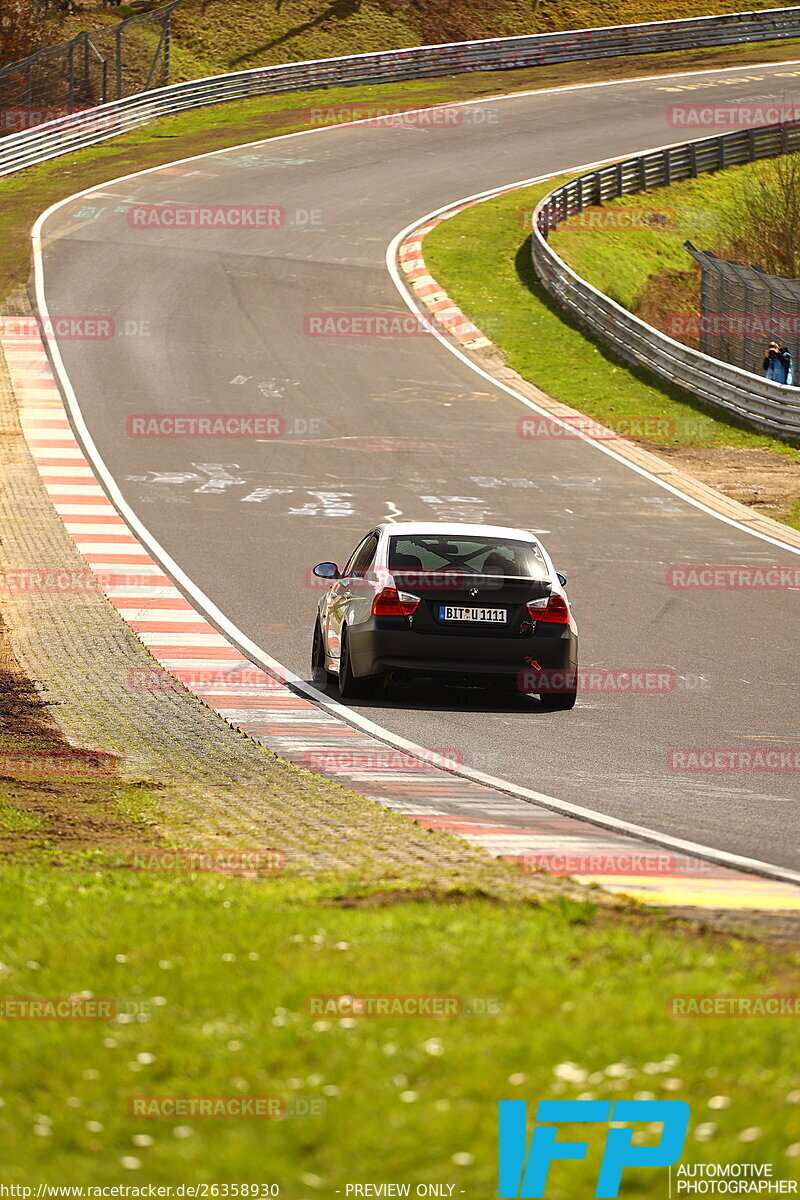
{"points": [[773, 365], [786, 359]]}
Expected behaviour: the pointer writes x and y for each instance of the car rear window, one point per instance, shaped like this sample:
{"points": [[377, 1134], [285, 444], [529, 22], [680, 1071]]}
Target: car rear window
{"points": [[472, 555]]}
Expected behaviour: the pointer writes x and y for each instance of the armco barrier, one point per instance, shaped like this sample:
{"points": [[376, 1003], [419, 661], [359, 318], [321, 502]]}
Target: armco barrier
{"points": [[69, 133], [769, 407]]}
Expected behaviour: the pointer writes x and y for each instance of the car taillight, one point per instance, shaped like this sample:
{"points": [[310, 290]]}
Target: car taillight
{"points": [[554, 609], [391, 603]]}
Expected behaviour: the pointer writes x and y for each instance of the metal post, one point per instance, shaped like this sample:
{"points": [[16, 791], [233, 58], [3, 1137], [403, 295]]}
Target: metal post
{"points": [[118, 53], [167, 38], [71, 76], [87, 96]]}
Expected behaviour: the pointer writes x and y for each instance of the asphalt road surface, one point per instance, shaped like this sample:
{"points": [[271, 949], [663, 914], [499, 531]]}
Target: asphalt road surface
{"points": [[216, 321]]}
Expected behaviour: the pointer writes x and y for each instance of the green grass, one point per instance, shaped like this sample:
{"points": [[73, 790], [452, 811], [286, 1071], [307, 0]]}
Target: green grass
{"points": [[16, 820], [482, 259], [224, 35], [621, 260], [221, 969]]}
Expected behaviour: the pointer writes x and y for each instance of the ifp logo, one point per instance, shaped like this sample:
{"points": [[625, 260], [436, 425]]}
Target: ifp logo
{"points": [[524, 1170]]}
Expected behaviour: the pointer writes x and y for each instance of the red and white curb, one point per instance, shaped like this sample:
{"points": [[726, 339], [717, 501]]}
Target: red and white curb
{"points": [[263, 707], [447, 315]]}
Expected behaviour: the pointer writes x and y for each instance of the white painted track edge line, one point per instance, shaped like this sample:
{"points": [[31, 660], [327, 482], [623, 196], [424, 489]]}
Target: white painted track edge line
{"points": [[206, 605]]}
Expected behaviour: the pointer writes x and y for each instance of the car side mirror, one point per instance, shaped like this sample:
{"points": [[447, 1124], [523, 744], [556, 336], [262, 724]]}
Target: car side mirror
{"points": [[327, 570], [562, 579]]}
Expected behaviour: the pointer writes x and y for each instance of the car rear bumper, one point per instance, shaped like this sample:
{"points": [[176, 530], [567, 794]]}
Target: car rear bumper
{"points": [[376, 651]]}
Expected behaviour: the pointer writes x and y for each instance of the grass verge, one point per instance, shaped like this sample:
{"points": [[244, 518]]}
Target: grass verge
{"points": [[208, 36], [215, 1002]]}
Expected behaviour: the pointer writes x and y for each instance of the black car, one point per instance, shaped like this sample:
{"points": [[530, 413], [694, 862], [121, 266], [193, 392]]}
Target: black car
{"points": [[469, 604]]}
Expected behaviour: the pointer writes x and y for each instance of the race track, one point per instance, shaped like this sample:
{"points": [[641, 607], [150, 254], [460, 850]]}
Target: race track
{"points": [[216, 322]]}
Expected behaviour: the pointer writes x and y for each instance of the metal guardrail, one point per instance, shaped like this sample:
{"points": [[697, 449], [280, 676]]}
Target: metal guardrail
{"points": [[72, 132], [769, 407]]}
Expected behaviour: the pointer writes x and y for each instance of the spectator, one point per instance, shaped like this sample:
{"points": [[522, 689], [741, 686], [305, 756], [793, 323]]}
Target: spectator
{"points": [[786, 358], [775, 365]]}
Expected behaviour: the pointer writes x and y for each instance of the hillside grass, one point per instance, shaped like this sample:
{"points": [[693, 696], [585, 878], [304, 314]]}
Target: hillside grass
{"points": [[212, 978], [224, 35]]}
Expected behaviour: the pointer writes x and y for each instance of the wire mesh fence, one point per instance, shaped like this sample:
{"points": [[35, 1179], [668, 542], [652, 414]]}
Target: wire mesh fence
{"points": [[743, 309], [92, 68]]}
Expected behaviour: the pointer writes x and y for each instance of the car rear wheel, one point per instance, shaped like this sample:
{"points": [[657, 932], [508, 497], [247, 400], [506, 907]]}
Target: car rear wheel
{"points": [[351, 687]]}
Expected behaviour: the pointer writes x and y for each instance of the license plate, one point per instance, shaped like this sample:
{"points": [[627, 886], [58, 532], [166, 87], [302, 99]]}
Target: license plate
{"points": [[451, 612]]}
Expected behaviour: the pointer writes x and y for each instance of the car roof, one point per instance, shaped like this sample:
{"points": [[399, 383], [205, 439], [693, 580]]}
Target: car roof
{"points": [[454, 528]]}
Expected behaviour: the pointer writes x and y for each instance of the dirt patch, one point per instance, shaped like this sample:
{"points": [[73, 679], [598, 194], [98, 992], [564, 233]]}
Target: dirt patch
{"points": [[766, 482], [55, 798], [672, 294], [384, 897], [781, 928]]}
